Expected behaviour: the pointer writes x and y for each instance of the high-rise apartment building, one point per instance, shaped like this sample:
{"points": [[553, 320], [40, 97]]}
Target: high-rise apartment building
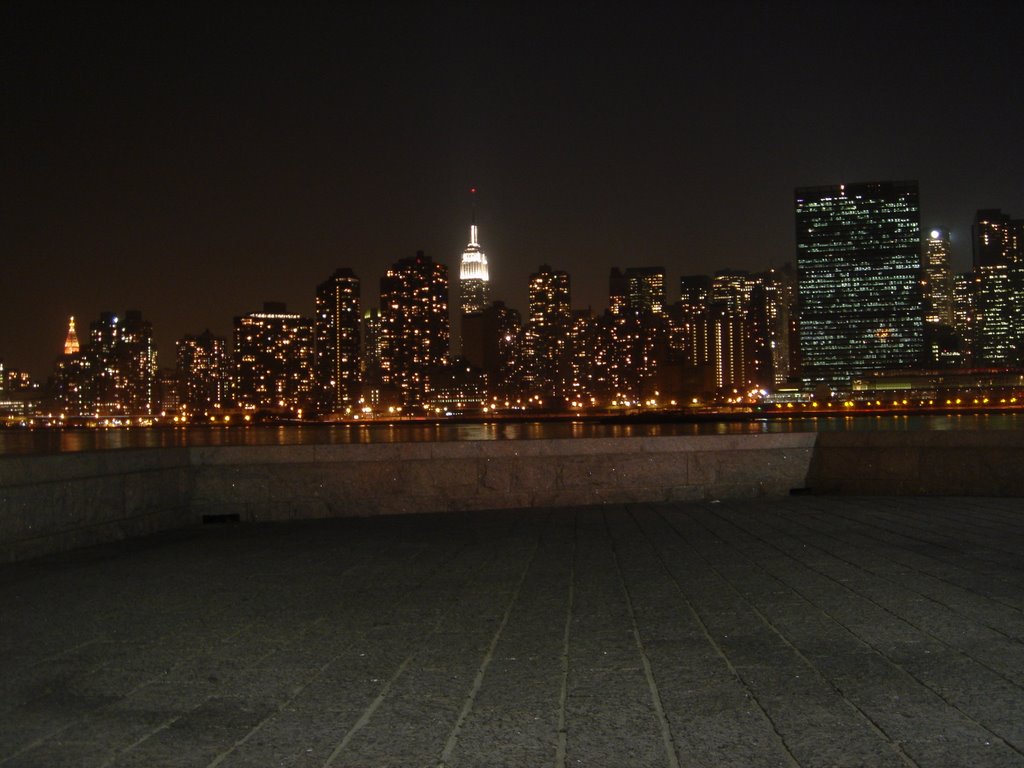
{"points": [[549, 297], [545, 356], [638, 330], [859, 274], [204, 373], [114, 372], [415, 329], [274, 357], [370, 370], [336, 324]]}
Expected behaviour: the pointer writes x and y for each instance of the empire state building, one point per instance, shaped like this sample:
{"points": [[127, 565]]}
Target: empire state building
{"points": [[474, 282]]}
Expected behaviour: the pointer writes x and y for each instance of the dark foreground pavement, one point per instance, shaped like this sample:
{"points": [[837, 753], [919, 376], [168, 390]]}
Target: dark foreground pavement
{"points": [[808, 632]]}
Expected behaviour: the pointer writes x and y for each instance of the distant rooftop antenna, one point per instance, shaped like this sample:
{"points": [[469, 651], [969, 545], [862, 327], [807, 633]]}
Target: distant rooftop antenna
{"points": [[472, 230]]}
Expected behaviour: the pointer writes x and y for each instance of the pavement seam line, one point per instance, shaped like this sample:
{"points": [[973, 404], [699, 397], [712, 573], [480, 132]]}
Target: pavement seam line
{"points": [[563, 694], [862, 534], [453, 736], [890, 611], [939, 550], [659, 707], [298, 690], [812, 666], [814, 532], [714, 644], [374, 705], [881, 653], [982, 553], [162, 726], [293, 694]]}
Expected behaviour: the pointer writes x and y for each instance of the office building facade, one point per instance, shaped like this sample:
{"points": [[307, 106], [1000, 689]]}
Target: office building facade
{"points": [[859, 280]]}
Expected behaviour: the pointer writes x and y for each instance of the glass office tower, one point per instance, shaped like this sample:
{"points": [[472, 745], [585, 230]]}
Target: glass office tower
{"points": [[859, 280]]}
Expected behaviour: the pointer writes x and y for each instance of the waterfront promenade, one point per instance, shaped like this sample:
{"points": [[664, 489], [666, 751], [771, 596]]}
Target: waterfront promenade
{"points": [[807, 631]]}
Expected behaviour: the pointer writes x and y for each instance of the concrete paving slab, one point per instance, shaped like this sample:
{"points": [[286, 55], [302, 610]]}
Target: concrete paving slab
{"points": [[814, 631]]}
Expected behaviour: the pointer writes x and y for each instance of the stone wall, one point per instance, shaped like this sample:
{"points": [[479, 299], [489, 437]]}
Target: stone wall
{"points": [[287, 482], [954, 463], [57, 502], [62, 501]]}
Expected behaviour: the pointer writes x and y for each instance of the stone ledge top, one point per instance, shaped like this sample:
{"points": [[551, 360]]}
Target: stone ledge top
{"points": [[579, 446]]}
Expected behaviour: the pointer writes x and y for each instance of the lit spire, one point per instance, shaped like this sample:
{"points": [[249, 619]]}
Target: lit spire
{"points": [[473, 274], [472, 222], [71, 342]]}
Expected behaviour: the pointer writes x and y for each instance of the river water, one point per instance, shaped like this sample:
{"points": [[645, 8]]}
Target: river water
{"points": [[21, 441]]}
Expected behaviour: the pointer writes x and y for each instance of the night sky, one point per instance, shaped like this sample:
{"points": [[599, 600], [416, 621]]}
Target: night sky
{"points": [[195, 163]]}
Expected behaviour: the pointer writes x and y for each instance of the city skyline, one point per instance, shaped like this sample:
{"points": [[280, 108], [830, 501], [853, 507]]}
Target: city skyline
{"points": [[286, 145], [856, 310]]}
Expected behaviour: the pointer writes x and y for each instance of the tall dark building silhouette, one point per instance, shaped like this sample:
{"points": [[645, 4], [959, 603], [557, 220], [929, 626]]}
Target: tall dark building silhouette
{"points": [[859, 272], [336, 324], [415, 329], [490, 342], [689, 319], [274, 358]]}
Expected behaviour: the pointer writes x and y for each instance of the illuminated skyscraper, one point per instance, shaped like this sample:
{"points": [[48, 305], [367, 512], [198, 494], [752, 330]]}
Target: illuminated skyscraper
{"points": [[998, 250], [545, 369], [549, 297], [204, 371], [638, 329], [937, 280], [641, 289], [964, 287], [999, 314], [136, 375], [71, 345], [274, 358], [336, 326], [780, 297], [415, 328], [859, 279], [113, 373], [732, 287], [474, 280]]}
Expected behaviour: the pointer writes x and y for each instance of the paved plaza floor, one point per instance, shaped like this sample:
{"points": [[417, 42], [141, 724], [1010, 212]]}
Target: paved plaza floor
{"points": [[811, 631]]}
